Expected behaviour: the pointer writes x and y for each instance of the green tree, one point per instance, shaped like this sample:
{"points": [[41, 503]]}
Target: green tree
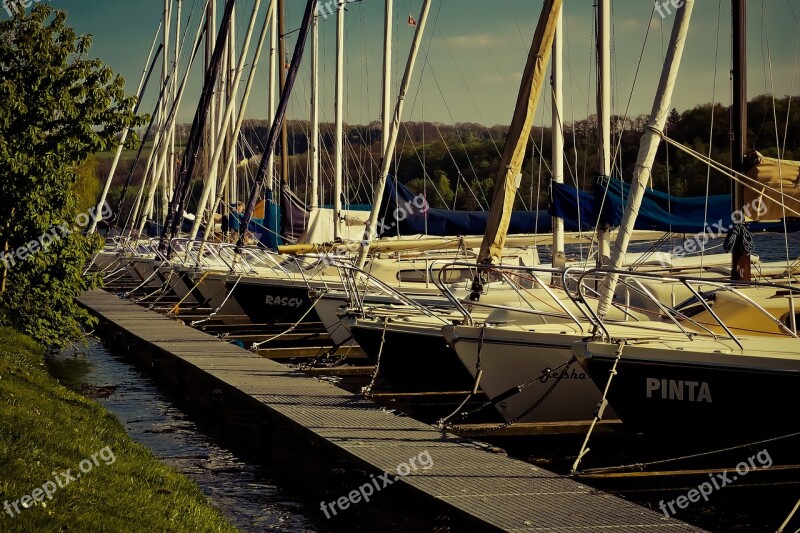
{"points": [[56, 108]]}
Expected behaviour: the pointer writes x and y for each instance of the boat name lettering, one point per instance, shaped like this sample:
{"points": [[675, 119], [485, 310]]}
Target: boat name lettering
{"points": [[548, 374], [671, 389], [284, 301]]}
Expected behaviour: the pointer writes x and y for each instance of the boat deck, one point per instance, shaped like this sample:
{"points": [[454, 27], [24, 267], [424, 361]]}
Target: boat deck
{"points": [[483, 488]]}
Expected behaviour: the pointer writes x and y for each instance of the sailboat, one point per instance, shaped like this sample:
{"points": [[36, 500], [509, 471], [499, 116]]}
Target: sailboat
{"points": [[721, 385]]}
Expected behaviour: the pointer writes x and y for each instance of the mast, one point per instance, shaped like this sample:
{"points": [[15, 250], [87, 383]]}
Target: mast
{"points": [[314, 147], [387, 74], [740, 260], [558, 136], [386, 161], [213, 136], [647, 150], [273, 65], [166, 177], [282, 74], [272, 139], [338, 143], [148, 68], [231, 89], [508, 174], [173, 129], [604, 116]]}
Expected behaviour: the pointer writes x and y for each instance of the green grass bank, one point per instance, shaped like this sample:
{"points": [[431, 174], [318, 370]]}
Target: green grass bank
{"points": [[66, 464]]}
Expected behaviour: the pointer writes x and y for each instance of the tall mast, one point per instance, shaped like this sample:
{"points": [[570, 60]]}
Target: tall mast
{"points": [[174, 83], [221, 95], [158, 164], [558, 135], [647, 150], [165, 177], [387, 74], [604, 115], [314, 148], [386, 161], [268, 27], [273, 66], [740, 259], [282, 73], [338, 143], [213, 135], [231, 90]]}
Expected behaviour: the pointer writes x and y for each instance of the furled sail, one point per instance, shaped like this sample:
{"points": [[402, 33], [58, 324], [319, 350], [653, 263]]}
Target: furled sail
{"points": [[518, 134], [777, 184], [647, 151]]}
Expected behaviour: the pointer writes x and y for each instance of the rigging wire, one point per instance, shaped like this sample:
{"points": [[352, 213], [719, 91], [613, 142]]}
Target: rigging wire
{"points": [[711, 132], [781, 153]]}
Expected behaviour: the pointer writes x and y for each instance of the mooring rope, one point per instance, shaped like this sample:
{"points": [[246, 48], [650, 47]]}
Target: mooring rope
{"points": [[601, 407], [366, 391], [177, 307], [258, 345], [445, 422], [789, 518], [219, 308]]}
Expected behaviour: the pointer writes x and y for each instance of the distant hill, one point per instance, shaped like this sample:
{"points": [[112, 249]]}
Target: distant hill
{"points": [[460, 161]]}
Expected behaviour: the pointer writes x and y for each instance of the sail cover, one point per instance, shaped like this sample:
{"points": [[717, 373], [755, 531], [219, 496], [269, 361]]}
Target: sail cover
{"points": [[659, 211], [778, 184], [518, 134], [404, 213]]}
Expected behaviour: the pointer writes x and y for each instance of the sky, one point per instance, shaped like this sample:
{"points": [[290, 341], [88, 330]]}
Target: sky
{"points": [[473, 54]]}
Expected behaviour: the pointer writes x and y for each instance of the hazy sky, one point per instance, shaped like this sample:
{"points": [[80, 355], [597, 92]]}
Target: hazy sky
{"points": [[474, 53]]}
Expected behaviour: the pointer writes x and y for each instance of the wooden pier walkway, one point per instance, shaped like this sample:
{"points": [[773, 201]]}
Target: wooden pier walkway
{"points": [[488, 490]]}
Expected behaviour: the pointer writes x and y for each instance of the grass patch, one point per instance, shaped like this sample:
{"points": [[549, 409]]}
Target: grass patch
{"points": [[46, 428]]}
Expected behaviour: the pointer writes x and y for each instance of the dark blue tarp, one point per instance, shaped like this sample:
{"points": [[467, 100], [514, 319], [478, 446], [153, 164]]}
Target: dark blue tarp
{"points": [[266, 231], [659, 211], [405, 213]]}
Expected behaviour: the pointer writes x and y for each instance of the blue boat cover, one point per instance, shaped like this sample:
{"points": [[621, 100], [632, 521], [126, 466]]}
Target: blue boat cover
{"points": [[659, 211], [404, 213]]}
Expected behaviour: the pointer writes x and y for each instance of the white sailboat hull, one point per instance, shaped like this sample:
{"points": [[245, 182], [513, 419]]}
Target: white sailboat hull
{"points": [[558, 386]]}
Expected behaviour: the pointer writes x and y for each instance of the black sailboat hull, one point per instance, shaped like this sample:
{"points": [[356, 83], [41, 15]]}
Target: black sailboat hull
{"points": [[412, 361], [273, 303], [704, 400]]}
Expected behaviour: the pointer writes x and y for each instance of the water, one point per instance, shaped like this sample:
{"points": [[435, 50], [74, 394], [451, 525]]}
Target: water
{"points": [[242, 490], [769, 247]]}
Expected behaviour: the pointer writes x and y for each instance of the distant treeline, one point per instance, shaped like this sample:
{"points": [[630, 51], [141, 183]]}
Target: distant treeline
{"points": [[455, 165]]}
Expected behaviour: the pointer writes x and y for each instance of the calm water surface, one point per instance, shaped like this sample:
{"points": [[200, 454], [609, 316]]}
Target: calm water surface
{"points": [[242, 490]]}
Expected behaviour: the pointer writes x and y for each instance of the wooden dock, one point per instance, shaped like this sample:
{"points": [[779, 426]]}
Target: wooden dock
{"points": [[469, 484]]}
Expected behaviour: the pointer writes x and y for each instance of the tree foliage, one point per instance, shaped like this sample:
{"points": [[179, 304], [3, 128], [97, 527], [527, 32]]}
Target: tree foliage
{"points": [[57, 107]]}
